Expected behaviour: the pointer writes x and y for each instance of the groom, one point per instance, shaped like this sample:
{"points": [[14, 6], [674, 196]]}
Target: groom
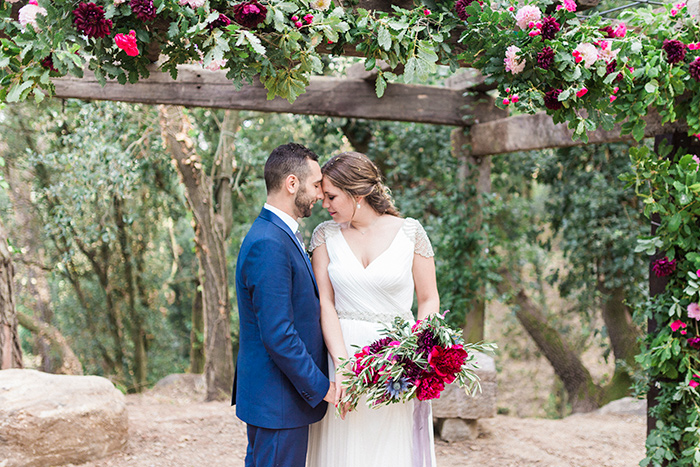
{"points": [[281, 375]]}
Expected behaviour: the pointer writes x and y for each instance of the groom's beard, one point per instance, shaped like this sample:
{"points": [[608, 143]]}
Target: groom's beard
{"points": [[303, 203]]}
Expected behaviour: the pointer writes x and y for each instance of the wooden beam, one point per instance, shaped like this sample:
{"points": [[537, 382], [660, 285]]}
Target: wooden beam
{"points": [[328, 96], [530, 132]]}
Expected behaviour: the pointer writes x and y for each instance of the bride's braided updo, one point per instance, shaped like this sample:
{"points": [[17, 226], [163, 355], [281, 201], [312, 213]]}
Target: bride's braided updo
{"points": [[356, 175]]}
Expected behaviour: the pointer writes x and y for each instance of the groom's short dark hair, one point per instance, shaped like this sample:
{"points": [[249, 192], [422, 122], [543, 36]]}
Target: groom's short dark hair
{"points": [[287, 159]]}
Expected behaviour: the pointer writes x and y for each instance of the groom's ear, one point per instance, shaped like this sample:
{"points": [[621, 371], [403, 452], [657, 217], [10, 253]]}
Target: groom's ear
{"points": [[291, 184]]}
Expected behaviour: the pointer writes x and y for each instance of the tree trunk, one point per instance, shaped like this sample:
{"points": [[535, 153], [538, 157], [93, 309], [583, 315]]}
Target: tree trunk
{"points": [[210, 241], [68, 363], [197, 357], [10, 350], [623, 336], [35, 293], [138, 334], [584, 394]]}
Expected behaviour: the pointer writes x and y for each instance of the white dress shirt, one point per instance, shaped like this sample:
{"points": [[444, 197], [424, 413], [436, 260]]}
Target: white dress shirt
{"points": [[286, 218]]}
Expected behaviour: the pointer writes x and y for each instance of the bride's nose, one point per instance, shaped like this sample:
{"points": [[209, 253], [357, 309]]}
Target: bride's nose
{"points": [[326, 204]]}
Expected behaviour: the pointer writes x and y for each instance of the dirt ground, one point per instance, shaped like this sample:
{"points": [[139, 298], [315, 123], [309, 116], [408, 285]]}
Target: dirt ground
{"points": [[168, 429]]}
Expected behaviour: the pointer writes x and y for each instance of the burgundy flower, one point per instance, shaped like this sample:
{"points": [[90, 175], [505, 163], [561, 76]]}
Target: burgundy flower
{"points": [[144, 10], [377, 346], [549, 28], [694, 69], [609, 32], [426, 342], [663, 267], [221, 22], [545, 58], [411, 370], [249, 14], [90, 20], [694, 342], [430, 387], [460, 8], [551, 99], [675, 50], [47, 62], [447, 362]]}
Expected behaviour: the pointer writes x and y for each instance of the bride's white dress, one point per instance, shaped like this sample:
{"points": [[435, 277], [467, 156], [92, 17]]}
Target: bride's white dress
{"points": [[368, 299]]}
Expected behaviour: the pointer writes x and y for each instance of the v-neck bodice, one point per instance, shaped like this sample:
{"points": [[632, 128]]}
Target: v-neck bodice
{"points": [[382, 290]]}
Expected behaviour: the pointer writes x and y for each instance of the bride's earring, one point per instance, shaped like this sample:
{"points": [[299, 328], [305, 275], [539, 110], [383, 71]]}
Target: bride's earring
{"points": [[358, 206]]}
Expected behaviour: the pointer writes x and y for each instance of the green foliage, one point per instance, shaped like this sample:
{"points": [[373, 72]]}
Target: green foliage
{"points": [[630, 76], [669, 187], [282, 54]]}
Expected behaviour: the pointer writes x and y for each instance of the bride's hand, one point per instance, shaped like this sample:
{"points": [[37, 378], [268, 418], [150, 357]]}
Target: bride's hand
{"points": [[340, 392]]}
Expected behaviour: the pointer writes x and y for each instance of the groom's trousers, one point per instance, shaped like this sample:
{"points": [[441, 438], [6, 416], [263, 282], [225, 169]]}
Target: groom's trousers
{"points": [[276, 448]]}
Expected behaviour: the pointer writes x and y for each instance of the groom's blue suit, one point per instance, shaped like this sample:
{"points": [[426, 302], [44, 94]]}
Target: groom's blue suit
{"points": [[281, 373]]}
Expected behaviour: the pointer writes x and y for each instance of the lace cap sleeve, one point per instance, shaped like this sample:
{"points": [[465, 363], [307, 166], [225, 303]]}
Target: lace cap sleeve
{"points": [[321, 232], [421, 241]]}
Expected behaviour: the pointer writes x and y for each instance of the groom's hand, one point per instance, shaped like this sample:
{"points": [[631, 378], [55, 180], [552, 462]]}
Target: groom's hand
{"points": [[330, 396]]}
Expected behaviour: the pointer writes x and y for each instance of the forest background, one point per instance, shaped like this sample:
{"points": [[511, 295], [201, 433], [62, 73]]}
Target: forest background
{"points": [[103, 240]]}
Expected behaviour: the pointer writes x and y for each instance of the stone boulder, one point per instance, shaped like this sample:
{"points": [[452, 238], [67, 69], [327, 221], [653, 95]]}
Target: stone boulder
{"points": [[50, 419], [456, 412], [625, 406]]}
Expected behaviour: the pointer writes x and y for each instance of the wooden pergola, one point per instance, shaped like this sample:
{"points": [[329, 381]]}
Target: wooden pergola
{"points": [[463, 101]]}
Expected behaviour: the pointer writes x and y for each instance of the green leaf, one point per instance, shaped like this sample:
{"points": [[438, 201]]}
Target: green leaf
{"points": [[384, 38], [18, 90], [380, 85], [674, 222]]}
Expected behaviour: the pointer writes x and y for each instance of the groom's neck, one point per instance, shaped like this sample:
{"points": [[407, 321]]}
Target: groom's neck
{"points": [[283, 203]]}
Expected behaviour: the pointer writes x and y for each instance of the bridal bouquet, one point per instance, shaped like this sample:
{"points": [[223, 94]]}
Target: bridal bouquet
{"points": [[410, 361]]}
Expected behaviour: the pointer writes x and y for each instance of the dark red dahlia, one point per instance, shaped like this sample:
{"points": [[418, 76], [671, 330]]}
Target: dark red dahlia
{"points": [[610, 67], [89, 19], [545, 58], [411, 370], [694, 342], [609, 32], [249, 14], [144, 10], [694, 69], [377, 346], [221, 22], [551, 99], [460, 8], [549, 28], [47, 62], [426, 342], [675, 50], [663, 267]]}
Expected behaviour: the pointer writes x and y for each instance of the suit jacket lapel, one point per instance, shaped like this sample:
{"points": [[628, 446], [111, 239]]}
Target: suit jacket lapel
{"points": [[270, 216]]}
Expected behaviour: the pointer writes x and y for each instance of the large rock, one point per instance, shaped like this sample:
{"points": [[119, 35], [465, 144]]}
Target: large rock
{"points": [[58, 419], [455, 403]]}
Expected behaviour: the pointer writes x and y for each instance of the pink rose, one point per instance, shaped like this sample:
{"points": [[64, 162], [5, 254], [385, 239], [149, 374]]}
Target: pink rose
{"points": [[620, 30], [677, 324], [693, 383], [581, 92], [127, 42], [694, 311]]}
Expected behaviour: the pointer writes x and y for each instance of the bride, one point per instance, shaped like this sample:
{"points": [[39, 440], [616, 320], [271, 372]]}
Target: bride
{"points": [[368, 261]]}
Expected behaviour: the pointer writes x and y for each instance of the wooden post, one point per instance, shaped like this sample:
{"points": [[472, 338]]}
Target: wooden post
{"points": [[461, 149]]}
